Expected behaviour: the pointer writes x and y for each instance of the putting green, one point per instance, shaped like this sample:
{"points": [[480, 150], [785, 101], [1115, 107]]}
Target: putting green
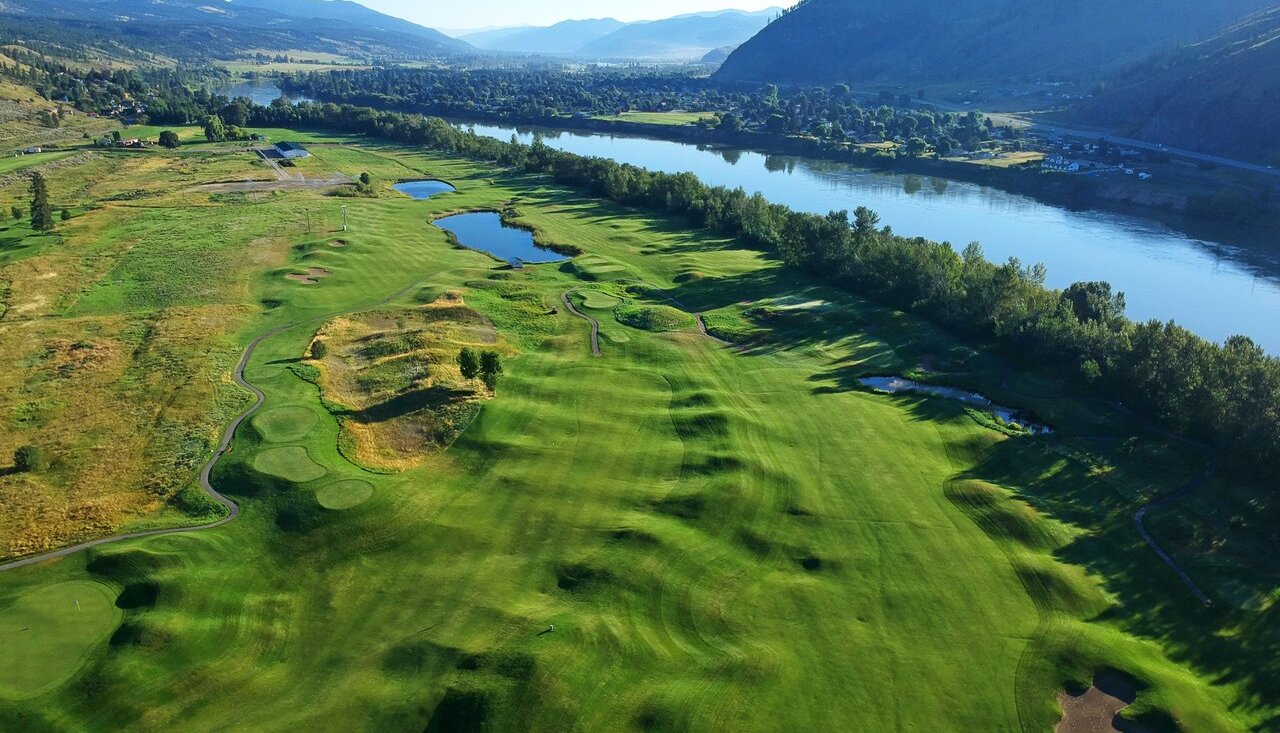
{"points": [[599, 301], [292, 464], [49, 632], [286, 424], [344, 494]]}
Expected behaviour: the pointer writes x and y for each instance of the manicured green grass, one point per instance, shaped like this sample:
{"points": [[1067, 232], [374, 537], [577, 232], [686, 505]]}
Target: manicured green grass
{"points": [[285, 424], [723, 539], [345, 494], [12, 163], [291, 464], [597, 300], [660, 118], [49, 632]]}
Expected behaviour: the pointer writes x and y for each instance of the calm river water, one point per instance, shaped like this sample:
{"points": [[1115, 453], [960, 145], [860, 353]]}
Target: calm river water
{"points": [[1206, 286]]}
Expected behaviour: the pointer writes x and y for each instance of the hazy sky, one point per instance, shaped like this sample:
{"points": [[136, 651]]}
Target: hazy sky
{"points": [[457, 14]]}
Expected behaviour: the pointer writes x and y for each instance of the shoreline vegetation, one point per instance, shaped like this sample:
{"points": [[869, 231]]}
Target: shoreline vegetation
{"points": [[1226, 395], [808, 122]]}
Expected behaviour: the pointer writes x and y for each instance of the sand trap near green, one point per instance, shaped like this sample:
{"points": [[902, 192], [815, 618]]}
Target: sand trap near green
{"points": [[292, 464], [286, 424], [344, 494], [49, 632]]}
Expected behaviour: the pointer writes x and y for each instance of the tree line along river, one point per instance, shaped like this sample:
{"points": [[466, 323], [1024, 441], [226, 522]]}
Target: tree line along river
{"points": [[1209, 287]]}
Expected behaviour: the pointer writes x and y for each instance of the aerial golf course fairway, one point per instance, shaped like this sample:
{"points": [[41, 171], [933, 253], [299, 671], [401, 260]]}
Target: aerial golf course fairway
{"points": [[725, 539]]}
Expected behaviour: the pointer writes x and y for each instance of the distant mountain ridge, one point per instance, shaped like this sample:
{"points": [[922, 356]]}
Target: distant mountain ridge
{"points": [[1220, 95], [681, 38], [563, 38], [220, 27], [941, 41]]}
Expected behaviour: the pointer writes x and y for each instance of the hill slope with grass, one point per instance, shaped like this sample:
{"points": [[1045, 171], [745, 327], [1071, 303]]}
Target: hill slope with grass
{"points": [[186, 28], [1221, 95], [927, 41]]}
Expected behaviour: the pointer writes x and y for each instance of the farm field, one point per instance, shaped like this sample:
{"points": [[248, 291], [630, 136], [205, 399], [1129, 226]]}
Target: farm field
{"points": [[659, 118], [678, 534]]}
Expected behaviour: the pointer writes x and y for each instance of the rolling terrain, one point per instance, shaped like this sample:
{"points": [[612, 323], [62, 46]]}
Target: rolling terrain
{"points": [[677, 534], [922, 42], [187, 29]]}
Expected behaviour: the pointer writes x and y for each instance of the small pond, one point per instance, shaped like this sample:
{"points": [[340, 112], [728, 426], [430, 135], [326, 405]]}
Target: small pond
{"points": [[485, 231], [423, 189], [899, 385]]}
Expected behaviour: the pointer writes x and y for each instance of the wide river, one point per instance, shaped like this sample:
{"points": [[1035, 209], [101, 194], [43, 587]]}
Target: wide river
{"points": [[1208, 287]]}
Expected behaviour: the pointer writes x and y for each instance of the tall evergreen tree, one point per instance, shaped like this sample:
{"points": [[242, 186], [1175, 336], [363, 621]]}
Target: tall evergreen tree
{"points": [[41, 212]]}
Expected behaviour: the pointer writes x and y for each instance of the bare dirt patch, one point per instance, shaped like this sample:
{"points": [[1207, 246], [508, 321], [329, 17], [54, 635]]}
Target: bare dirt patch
{"points": [[312, 276], [1094, 710]]}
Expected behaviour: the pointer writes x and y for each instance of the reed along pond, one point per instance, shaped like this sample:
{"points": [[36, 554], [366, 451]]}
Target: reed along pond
{"points": [[485, 231]]}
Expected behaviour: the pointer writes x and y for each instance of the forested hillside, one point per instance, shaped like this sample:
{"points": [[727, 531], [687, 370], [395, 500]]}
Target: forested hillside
{"points": [[1221, 95], [188, 29], [929, 41]]}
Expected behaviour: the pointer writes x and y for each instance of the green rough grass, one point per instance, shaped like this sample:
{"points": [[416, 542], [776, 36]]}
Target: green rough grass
{"points": [[724, 539], [291, 464], [285, 424], [653, 317], [678, 119], [49, 633]]}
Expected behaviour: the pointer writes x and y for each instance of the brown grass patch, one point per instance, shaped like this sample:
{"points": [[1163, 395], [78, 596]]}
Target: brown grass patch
{"points": [[312, 276], [393, 376]]}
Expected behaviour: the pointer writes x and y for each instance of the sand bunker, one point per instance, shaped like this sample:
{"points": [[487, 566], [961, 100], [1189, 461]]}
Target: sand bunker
{"points": [[310, 277], [339, 243], [1094, 710]]}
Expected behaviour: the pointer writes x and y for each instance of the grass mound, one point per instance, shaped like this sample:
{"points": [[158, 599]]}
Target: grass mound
{"points": [[1001, 516], [654, 317], [285, 424], [344, 494], [49, 632], [291, 464]]}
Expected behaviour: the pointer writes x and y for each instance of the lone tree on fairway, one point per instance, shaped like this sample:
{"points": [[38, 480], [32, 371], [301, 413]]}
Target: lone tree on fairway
{"points": [[41, 213], [17, 212], [214, 130], [490, 368], [169, 139], [65, 215], [27, 458], [469, 363]]}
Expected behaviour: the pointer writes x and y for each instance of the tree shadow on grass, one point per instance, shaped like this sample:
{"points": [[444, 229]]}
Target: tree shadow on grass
{"points": [[406, 404], [1152, 601]]}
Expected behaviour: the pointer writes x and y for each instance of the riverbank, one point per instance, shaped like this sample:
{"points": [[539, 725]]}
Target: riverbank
{"points": [[1204, 204]]}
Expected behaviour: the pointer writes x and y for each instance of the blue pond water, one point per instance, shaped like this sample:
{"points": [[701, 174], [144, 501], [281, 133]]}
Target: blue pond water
{"points": [[485, 231], [423, 189]]}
